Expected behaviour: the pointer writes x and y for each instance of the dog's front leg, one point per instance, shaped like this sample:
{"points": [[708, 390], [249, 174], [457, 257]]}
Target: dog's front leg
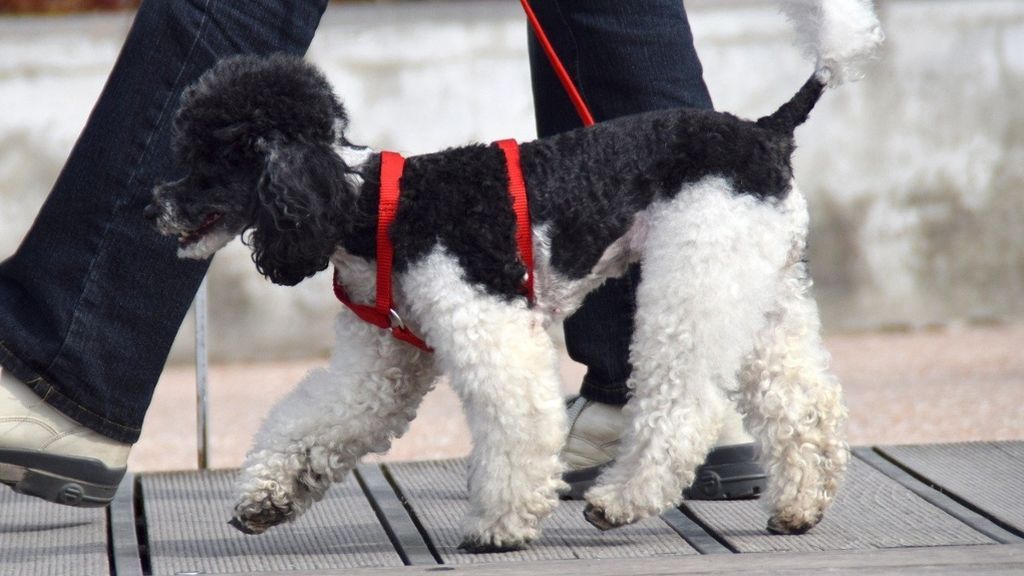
{"points": [[359, 404], [503, 366]]}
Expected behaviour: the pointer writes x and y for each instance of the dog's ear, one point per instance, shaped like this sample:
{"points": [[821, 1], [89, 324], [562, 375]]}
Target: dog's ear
{"points": [[304, 202]]}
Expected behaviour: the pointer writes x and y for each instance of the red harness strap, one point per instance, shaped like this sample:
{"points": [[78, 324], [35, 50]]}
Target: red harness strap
{"points": [[517, 192], [382, 313]]}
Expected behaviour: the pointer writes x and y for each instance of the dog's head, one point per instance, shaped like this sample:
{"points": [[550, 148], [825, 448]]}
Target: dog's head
{"points": [[256, 137]]}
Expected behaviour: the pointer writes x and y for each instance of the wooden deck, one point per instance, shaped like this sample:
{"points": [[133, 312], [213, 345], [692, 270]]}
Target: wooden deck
{"points": [[944, 508]]}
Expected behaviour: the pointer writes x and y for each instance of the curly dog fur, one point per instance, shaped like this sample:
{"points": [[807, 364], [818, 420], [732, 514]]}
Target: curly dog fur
{"points": [[703, 200]]}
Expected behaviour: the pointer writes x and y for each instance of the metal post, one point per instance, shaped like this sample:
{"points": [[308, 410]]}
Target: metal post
{"points": [[202, 437]]}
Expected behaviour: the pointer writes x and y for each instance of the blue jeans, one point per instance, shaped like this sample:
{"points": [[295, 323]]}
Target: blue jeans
{"points": [[625, 57], [93, 297]]}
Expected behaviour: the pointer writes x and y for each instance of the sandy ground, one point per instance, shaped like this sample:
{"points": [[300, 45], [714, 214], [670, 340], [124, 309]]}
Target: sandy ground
{"points": [[953, 384]]}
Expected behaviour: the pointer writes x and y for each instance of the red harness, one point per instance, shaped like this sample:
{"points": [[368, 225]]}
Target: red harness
{"points": [[382, 313]]}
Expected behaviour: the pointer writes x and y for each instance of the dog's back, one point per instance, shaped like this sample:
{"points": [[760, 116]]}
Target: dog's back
{"points": [[588, 184], [585, 186]]}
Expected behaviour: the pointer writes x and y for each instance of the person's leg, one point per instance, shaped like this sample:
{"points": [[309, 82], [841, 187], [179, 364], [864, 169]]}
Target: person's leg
{"points": [[626, 58], [92, 299]]}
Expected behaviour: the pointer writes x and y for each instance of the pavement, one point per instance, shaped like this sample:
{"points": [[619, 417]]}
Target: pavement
{"points": [[951, 384]]}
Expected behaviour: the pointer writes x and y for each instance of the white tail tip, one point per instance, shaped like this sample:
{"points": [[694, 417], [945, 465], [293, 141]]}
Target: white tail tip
{"points": [[842, 36]]}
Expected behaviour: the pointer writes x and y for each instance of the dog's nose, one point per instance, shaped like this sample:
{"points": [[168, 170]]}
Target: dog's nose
{"points": [[151, 212]]}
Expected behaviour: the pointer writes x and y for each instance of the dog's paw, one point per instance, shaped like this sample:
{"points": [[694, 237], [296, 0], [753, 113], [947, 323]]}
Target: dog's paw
{"points": [[256, 517], [793, 525], [507, 533], [598, 519], [242, 527], [480, 545], [610, 506]]}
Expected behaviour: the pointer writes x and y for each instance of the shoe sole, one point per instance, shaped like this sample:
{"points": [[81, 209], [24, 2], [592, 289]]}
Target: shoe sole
{"points": [[728, 473], [78, 482]]}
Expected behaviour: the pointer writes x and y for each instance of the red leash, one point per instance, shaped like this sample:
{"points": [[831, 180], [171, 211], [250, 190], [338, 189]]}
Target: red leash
{"points": [[563, 76]]}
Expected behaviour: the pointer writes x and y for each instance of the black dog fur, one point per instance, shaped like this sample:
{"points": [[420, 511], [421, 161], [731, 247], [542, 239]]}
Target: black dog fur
{"points": [[258, 137]]}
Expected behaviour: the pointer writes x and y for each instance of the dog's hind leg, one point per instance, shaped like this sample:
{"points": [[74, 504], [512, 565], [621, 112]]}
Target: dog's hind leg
{"points": [[503, 365], [794, 406], [334, 416], [710, 261]]}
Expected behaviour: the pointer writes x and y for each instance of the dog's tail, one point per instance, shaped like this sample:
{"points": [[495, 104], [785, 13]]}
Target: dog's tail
{"points": [[794, 113], [842, 36]]}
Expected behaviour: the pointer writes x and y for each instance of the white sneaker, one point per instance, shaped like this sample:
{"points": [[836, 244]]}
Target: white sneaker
{"points": [[595, 431], [44, 453], [730, 472]]}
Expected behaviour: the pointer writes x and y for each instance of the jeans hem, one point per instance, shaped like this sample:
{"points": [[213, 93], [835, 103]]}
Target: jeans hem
{"points": [[65, 405], [603, 392]]}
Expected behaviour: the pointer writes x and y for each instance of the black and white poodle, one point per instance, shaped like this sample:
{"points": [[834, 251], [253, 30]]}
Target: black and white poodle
{"points": [[703, 200]]}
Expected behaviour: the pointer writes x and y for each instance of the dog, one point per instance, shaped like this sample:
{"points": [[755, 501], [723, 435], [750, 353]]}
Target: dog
{"points": [[703, 200]]}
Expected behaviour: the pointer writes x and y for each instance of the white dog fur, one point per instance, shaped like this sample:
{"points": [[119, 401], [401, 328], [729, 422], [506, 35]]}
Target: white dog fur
{"points": [[724, 314]]}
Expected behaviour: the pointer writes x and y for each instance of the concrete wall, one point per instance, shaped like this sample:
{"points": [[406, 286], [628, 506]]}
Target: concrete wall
{"points": [[915, 175]]}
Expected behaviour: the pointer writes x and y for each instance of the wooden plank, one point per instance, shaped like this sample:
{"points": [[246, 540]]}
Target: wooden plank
{"points": [[186, 520], [124, 542], [952, 560], [986, 476], [694, 533], [872, 511], [1014, 448], [401, 528], [38, 538], [436, 492], [937, 498]]}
